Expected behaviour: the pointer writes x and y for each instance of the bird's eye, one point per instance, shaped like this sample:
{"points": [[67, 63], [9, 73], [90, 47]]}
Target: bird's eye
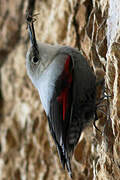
{"points": [[35, 60]]}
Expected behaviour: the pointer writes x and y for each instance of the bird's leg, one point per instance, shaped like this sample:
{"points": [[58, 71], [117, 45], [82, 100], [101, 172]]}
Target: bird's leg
{"points": [[105, 96], [96, 127], [102, 98], [95, 119], [104, 92]]}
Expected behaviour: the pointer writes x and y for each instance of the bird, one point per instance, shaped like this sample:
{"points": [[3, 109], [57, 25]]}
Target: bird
{"points": [[67, 88]]}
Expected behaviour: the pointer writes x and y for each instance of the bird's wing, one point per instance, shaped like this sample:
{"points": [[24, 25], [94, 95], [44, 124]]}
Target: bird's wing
{"points": [[60, 107]]}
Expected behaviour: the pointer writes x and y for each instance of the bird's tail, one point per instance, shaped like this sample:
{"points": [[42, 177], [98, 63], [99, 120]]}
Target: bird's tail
{"points": [[65, 159], [68, 166]]}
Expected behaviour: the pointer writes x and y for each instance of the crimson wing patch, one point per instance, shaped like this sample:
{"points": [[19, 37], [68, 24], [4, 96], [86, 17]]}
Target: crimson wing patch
{"points": [[66, 78]]}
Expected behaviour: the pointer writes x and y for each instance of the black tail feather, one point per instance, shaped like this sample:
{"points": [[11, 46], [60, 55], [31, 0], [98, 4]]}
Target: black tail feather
{"points": [[68, 166], [65, 160]]}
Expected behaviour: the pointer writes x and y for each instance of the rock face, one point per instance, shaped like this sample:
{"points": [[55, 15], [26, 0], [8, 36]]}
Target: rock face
{"points": [[26, 147]]}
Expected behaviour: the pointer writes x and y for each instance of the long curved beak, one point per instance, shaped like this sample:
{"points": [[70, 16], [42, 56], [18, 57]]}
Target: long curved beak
{"points": [[32, 34], [32, 37]]}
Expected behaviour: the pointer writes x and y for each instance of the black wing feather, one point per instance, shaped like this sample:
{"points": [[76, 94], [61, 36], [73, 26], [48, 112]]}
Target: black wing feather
{"points": [[57, 124]]}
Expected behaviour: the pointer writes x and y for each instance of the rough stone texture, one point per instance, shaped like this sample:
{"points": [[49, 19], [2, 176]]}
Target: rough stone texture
{"points": [[26, 147]]}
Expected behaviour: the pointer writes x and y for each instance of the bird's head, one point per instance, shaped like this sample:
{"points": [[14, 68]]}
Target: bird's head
{"points": [[33, 58], [39, 56]]}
